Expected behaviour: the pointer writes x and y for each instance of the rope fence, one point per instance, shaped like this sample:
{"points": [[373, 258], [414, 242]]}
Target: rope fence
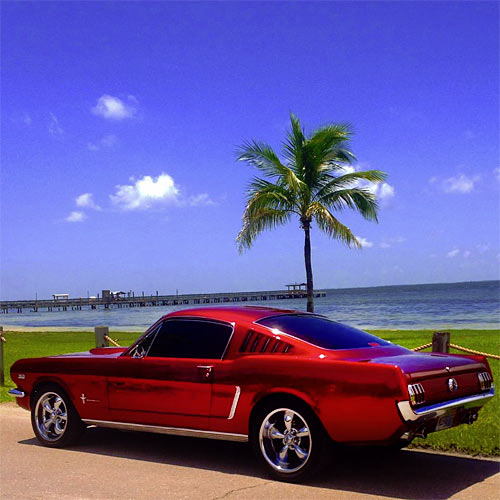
{"points": [[111, 341], [472, 351], [441, 343], [421, 347]]}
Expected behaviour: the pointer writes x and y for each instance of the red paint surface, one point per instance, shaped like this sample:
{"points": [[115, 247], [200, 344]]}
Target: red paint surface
{"points": [[353, 392]]}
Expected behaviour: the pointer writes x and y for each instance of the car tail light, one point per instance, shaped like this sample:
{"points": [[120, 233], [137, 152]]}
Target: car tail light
{"points": [[485, 380], [417, 394]]}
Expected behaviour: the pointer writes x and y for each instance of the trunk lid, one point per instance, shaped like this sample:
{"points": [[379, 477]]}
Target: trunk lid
{"points": [[435, 372]]}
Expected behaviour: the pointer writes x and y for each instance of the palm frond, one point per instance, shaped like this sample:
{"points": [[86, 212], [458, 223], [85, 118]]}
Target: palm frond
{"points": [[361, 199], [258, 221], [332, 226], [325, 151], [265, 194], [292, 146], [263, 157], [330, 182]]}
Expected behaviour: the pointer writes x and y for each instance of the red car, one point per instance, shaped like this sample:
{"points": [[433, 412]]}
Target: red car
{"points": [[287, 381]]}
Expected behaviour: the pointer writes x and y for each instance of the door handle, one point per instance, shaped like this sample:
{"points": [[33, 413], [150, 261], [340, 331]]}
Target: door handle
{"points": [[207, 369]]}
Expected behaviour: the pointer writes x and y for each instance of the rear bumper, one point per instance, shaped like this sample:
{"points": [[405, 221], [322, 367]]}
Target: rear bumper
{"points": [[417, 415]]}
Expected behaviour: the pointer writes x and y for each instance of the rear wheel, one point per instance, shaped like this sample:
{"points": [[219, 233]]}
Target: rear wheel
{"points": [[289, 441], [54, 419]]}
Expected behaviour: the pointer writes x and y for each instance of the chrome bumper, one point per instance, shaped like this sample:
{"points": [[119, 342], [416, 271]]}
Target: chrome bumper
{"points": [[17, 393], [410, 414]]}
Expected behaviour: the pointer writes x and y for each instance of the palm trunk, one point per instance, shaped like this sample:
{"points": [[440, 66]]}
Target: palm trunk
{"points": [[309, 272]]}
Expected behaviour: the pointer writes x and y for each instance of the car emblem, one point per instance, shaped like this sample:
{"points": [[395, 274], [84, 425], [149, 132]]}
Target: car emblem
{"points": [[452, 385]]}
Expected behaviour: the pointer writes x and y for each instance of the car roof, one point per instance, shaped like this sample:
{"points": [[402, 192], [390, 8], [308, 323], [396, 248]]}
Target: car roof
{"points": [[233, 313]]}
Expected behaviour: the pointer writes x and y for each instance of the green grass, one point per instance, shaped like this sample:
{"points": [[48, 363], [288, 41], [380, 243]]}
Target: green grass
{"points": [[482, 438]]}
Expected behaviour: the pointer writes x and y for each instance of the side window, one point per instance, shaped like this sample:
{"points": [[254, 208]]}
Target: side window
{"points": [[190, 339], [140, 350]]}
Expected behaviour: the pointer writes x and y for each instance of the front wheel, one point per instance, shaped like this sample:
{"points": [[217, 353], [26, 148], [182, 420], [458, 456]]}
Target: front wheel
{"points": [[289, 441], [55, 420]]}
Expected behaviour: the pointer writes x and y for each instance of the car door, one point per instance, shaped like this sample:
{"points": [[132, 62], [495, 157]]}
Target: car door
{"points": [[166, 379]]}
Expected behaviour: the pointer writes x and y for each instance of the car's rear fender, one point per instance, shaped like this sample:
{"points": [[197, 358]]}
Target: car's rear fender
{"points": [[353, 400]]}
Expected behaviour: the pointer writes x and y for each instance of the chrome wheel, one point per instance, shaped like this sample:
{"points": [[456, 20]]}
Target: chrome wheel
{"points": [[51, 416], [285, 440]]}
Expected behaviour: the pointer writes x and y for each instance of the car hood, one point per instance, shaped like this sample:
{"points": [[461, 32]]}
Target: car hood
{"points": [[108, 352]]}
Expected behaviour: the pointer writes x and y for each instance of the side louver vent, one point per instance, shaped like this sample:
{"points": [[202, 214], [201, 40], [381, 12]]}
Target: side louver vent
{"points": [[257, 342]]}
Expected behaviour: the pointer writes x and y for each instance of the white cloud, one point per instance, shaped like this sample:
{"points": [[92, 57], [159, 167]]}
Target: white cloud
{"points": [[386, 191], [113, 108], [346, 169], [382, 190], [453, 253], [108, 141], [389, 242], [146, 192], [496, 173], [86, 200], [466, 254], [482, 247], [202, 199], [460, 184], [364, 242], [54, 126], [76, 217], [27, 119]]}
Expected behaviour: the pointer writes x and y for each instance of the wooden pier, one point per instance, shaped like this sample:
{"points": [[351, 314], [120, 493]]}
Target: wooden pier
{"points": [[81, 303]]}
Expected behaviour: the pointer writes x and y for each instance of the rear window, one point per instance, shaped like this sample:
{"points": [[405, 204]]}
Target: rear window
{"points": [[323, 332]]}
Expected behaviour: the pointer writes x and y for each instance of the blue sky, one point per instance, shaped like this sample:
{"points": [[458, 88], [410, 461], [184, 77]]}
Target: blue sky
{"points": [[120, 123]]}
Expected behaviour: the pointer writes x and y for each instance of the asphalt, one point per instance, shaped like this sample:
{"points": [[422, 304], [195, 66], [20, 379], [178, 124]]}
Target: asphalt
{"points": [[110, 464]]}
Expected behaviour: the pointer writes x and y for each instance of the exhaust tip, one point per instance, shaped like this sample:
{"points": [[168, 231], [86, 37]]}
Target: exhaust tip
{"points": [[470, 419], [421, 432]]}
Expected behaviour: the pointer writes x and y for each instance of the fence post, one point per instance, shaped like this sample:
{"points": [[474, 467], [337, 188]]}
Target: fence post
{"points": [[101, 332], [2, 340], [441, 342]]}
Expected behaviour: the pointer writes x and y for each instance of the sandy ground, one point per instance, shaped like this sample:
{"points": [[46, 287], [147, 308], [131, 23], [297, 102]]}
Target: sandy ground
{"points": [[111, 464]]}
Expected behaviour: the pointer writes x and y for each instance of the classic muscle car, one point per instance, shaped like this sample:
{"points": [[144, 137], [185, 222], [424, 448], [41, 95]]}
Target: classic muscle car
{"points": [[287, 381]]}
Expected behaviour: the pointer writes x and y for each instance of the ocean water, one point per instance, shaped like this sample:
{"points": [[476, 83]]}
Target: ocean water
{"points": [[449, 305]]}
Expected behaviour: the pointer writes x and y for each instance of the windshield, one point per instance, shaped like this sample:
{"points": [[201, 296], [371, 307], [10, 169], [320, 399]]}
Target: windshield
{"points": [[323, 332]]}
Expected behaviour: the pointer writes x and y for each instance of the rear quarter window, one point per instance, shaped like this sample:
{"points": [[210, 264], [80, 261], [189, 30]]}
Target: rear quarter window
{"points": [[323, 332]]}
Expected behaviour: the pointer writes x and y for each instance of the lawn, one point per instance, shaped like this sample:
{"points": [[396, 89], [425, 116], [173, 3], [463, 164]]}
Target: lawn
{"points": [[482, 438]]}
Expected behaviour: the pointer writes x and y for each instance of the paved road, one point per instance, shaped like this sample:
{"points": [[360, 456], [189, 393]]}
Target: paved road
{"points": [[111, 464]]}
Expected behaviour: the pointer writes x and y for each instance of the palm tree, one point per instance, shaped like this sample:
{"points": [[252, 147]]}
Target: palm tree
{"points": [[311, 184]]}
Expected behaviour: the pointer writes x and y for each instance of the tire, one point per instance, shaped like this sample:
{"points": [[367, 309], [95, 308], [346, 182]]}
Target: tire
{"points": [[54, 419], [289, 440]]}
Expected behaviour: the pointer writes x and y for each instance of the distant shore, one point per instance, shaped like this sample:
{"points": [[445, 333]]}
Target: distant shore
{"points": [[469, 305]]}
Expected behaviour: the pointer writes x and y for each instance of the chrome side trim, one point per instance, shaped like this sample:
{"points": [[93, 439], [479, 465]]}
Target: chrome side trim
{"points": [[235, 402], [174, 431], [410, 414], [17, 393]]}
